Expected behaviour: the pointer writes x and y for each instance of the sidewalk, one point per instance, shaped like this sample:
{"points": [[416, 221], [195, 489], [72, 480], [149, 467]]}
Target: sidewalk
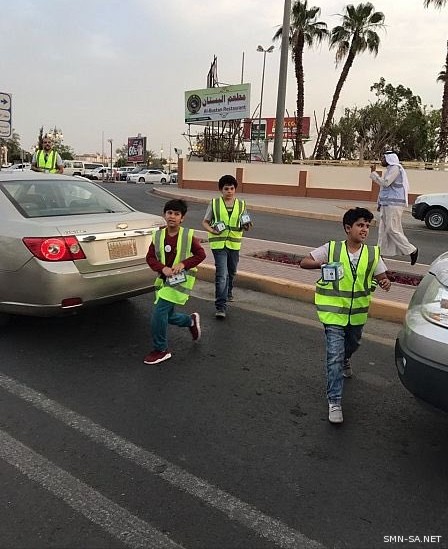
{"points": [[289, 280]]}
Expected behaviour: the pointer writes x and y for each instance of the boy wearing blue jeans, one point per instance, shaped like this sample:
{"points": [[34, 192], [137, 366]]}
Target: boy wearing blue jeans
{"points": [[343, 302], [174, 253], [225, 220]]}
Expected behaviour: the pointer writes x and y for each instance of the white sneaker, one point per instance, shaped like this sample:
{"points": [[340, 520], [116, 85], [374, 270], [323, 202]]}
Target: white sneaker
{"points": [[335, 413]]}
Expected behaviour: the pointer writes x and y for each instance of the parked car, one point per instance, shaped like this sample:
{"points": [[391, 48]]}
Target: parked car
{"points": [[89, 167], [432, 209], [68, 243], [421, 350], [173, 177], [23, 166], [74, 167], [124, 171], [98, 174], [148, 175]]}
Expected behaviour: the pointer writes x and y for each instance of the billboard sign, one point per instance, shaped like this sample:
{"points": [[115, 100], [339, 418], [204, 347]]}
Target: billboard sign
{"points": [[5, 114], [289, 129], [136, 149], [217, 104]]}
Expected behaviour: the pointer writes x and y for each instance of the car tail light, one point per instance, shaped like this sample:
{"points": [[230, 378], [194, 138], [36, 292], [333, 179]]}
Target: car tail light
{"points": [[55, 248]]}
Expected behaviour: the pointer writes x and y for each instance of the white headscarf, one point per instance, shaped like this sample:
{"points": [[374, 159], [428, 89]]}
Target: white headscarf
{"points": [[393, 160]]}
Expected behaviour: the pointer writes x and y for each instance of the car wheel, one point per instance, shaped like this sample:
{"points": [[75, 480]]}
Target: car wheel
{"points": [[163, 181], [437, 219], [141, 180]]}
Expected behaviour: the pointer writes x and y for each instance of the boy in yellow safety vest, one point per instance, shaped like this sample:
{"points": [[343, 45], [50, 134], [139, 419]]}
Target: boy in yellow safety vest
{"points": [[343, 294], [225, 220], [174, 253]]}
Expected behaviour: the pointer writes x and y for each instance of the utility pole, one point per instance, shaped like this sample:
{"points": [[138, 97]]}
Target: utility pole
{"points": [[282, 78]]}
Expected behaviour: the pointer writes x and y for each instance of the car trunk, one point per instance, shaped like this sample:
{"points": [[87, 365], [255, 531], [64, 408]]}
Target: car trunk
{"points": [[117, 241]]}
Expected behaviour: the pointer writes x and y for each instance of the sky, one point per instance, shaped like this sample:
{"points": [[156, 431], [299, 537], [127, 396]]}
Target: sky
{"points": [[102, 70]]}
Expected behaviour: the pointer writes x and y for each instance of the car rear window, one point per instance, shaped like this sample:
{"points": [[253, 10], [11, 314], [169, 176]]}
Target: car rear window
{"points": [[58, 198]]}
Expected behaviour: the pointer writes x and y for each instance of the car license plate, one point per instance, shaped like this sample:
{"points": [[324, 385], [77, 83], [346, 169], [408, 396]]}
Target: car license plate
{"points": [[119, 249]]}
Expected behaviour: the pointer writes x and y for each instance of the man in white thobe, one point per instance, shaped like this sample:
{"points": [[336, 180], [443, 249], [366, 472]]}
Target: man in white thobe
{"points": [[392, 199]]}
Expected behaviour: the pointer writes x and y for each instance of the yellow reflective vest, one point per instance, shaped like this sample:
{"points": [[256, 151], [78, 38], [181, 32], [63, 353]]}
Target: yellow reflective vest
{"points": [[347, 301], [50, 164], [179, 293], [231, 237]]}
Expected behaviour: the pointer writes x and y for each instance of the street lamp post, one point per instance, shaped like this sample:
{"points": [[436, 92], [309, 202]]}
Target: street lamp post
{"points": [[269, 50], [282, 77], [111, 165]]}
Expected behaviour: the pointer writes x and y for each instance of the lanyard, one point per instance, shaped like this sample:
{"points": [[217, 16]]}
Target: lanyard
{"points": [[352, 268]]}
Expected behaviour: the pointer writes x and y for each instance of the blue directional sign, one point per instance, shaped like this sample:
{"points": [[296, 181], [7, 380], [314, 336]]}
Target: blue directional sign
{"points": [[5, 115]]}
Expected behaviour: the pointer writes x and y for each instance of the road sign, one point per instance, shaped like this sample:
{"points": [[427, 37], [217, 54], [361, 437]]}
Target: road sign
{"points": [[5, 115]]}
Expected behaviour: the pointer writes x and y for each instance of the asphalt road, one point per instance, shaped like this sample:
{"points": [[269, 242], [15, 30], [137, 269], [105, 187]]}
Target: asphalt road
{"points": [[280, 228], [225, 446]]}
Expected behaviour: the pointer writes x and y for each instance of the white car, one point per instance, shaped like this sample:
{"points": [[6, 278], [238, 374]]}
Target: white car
{"points": [[148, 175], [432, 209]]}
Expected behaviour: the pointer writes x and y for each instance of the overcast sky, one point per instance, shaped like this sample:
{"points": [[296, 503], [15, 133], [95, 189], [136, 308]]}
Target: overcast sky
{"points": [[121, 68]]}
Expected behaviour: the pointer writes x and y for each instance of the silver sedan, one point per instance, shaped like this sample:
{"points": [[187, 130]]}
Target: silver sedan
{"points": [[67, 243]]}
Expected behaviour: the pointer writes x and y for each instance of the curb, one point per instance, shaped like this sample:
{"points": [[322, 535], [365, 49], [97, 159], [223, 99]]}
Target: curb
{"points": [[379, 308]]}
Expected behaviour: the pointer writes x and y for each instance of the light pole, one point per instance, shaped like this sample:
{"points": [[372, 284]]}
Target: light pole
{"points": [[111, 166], [269, 50], [282, 77]]}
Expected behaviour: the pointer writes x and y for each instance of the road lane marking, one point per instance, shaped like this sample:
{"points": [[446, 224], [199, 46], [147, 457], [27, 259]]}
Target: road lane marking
{"points": [[100, 510], [236, 510]]}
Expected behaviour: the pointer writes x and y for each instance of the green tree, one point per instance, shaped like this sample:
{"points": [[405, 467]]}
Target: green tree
{"points": [[14, 147], [443, 135], [304, 30], [355, 35]]}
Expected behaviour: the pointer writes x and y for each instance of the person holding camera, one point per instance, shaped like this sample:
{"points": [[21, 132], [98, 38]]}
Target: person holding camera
{"points": [[225, 220]]}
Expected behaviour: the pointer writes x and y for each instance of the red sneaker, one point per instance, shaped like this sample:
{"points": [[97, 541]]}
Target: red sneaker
{"points": [[155, 357], [195, 328]]}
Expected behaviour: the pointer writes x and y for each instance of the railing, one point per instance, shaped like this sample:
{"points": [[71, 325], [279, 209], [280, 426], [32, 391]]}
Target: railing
{"points": [[412, 165]]}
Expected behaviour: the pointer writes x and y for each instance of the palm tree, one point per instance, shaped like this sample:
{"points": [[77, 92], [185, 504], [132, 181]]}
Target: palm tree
{"points": [[443, 135], [356, 34], [303, 29]]}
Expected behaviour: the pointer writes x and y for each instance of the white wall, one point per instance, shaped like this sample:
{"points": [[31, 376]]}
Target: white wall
{"points": [[327, 177]]}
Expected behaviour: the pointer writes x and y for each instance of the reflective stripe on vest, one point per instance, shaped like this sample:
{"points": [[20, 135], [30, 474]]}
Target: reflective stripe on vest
{"points": [[50, 164], [347, 301], [179, 293], [232, 235]]}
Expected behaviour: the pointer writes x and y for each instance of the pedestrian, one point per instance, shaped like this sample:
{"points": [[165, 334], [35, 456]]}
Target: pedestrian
{"points": [[174, 253], [350, 271], [47, 159], [392, 200], [225, 220]]}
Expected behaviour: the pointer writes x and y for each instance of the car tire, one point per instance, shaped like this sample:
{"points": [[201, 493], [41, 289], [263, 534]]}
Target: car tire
{"points": [[141, 180], [163, 181], [437, 219]]}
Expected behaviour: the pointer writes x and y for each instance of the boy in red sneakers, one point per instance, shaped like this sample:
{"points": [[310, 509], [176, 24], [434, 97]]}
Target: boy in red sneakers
{"points": [[174, 253]]}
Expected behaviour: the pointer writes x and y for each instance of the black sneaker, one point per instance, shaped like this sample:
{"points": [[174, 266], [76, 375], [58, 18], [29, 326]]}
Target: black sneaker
{"points": [[414, 256]]}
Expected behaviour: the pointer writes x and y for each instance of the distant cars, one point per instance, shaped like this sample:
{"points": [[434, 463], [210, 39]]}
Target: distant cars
{"points": [[99, 174], [124, 171], [421, 350], [148, 175], [23, 166], [68, 243], [433, 210]]}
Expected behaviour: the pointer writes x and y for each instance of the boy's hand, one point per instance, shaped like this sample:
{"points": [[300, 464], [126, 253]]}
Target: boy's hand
{"points": [[167, 271], [372, 167], [178, 268], [384, 284]]}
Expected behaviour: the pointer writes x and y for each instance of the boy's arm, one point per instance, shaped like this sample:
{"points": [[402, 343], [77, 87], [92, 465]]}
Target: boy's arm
{"points": [[309, 262], [197, 256], [383, 282], [388, 180], [152, 260], [207, 221]]}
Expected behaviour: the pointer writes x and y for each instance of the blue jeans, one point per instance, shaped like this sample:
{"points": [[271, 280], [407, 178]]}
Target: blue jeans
{"points": [[342, 342], [226, 263], [163, 313]]}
